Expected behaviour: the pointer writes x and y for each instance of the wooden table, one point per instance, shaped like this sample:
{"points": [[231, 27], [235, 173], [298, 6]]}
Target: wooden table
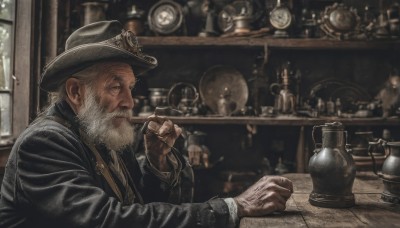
{"points": [[370, 210]]}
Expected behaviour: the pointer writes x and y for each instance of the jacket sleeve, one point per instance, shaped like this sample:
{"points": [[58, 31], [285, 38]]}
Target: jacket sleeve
{"points": [[57, 186], [177, 187]]}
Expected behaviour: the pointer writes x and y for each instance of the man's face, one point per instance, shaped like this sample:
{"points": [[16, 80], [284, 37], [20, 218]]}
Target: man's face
{"points": [[113, 90], [108, 107]]}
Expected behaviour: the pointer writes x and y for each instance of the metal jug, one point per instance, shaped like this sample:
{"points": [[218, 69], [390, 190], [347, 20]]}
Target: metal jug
{"points": [[332, 168], [360, 143], [390, 173]]}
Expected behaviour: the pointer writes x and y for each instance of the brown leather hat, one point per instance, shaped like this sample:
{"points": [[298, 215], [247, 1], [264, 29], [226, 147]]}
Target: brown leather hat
{"points": [[96, 42]]}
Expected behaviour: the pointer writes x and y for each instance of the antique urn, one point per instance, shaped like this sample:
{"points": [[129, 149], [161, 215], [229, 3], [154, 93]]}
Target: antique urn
{"points": [[332, 169], [390, 173]]}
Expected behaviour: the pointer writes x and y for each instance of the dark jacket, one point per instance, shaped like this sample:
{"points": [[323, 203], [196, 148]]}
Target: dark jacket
{"points": [[51, 181]]}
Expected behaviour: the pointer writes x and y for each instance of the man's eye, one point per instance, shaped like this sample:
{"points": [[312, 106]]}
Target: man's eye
{"points": [[115, 88]]}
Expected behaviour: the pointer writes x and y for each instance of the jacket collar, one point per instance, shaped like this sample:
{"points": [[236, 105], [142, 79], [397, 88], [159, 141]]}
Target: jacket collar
{"points": [[63, 110]]}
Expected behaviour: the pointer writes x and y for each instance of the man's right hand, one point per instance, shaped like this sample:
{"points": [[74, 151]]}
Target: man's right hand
{"points": [[267, 195]]}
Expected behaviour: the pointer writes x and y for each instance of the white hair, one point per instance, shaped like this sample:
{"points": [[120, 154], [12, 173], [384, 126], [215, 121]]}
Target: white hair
{"points": [[94, 120], [97, 123]]}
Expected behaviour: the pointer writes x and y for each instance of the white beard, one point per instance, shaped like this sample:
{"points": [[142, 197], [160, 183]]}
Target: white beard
{"points": [[99, 125]]}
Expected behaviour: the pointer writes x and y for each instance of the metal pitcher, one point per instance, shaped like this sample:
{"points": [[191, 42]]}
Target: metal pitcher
{"points": [[390, 173], [332, 168]]}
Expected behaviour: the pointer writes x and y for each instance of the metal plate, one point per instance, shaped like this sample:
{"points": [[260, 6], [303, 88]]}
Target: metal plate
{"points": [[214, 83]]}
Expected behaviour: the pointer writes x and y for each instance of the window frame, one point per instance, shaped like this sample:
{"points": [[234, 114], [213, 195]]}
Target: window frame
{"points": [[8, 83], [23, 67]]}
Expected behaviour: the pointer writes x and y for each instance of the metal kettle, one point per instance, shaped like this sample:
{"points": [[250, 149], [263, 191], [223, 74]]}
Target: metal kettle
{"points": [[285, 100], [332, 168], [390, 173]]}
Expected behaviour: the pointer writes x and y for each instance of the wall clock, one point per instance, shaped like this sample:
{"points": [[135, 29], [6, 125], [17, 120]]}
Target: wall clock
{"points": [[165, 17], [281, 19], [339, 21]]}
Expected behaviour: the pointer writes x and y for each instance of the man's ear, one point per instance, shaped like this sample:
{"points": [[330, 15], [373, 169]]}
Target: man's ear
{"points": [[75, 92]]}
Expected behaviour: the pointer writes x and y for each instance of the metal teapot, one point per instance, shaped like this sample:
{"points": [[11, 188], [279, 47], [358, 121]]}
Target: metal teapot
{"points": [[332, 168], [184, 97], [285, 100], [390, 173]]}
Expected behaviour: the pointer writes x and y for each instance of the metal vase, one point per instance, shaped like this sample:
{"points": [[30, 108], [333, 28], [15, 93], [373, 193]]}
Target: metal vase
{"points": [[332, 169], [390, 173]]}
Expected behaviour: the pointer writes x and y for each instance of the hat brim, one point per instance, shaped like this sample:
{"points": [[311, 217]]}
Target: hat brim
{"points": [[83, 56]]}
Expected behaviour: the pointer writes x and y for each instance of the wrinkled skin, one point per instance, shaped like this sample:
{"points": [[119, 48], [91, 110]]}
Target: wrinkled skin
{"points": [[267, 195]]}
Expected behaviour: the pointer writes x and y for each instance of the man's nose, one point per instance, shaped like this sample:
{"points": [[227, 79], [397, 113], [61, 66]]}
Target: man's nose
{"points": [[127, 99]]}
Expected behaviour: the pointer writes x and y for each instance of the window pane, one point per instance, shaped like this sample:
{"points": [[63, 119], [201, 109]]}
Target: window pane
{"points": [[5, 109], [7, 9], [5, 56]]}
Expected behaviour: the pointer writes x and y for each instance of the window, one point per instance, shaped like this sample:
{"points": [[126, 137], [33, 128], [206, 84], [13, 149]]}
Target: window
{"points": [[6, 57]]}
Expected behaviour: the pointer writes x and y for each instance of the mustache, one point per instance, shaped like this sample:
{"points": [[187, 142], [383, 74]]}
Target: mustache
{"points": [[120, 113]]}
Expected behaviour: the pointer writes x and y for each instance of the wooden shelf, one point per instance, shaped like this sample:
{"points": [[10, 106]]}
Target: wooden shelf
{"points": [[248, 42], [182, 42], [279, 121]]}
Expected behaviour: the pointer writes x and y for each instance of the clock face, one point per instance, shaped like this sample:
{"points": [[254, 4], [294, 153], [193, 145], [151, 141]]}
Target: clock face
{"points": [[342, 20], [165, 17], [280, 18]]}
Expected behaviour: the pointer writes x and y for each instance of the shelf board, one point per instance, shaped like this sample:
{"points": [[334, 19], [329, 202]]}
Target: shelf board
{"points": [[248, 42], [279, 121]]}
